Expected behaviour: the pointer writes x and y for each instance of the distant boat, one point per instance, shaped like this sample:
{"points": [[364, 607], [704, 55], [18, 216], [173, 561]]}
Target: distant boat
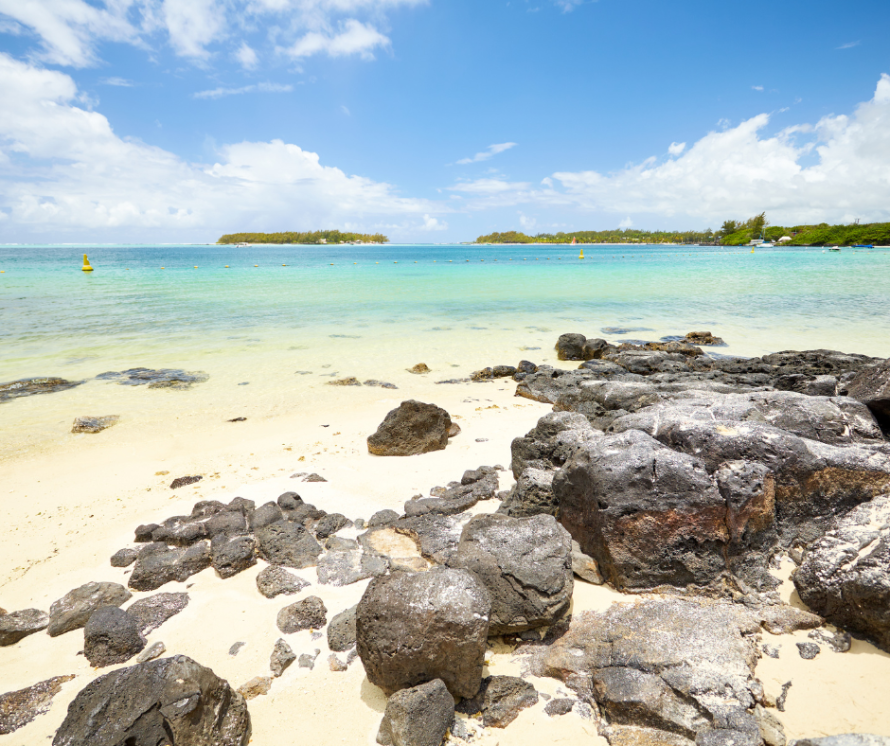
{"points": [[241, 245], [864, 246], [574, 241], [767, 246], [835, 248]]}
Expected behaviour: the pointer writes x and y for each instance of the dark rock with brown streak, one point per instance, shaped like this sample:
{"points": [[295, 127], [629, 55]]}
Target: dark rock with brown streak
{"points": [[74, 609], [111, 636], [845, 575], [19, 708], [413, 428], [648, 515], [419, 716], [871, 386], [663, 668], [526, 566], [412, 628], [172, 700], [94, 424], [19, 624], [500, 700], [157, 565]]}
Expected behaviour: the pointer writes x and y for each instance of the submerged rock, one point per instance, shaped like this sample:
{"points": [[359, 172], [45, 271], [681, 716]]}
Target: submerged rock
{"points": [[415, 627], [19, 708], [163, 378], [704, 338], [172, 700], [32, 386], [412, 428], [94, 424]]}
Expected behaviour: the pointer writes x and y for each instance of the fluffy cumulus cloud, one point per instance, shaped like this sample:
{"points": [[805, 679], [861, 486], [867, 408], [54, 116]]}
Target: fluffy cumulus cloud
{"points": [[837, 169], [65, 173], [69, 31]]}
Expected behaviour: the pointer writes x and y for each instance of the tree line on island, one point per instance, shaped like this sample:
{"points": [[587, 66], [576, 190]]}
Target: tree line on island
{"points": [[311, 237], [731, 233]]}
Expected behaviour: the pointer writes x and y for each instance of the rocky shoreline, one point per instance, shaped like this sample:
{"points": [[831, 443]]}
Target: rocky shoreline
{"points": [[678, 478]]}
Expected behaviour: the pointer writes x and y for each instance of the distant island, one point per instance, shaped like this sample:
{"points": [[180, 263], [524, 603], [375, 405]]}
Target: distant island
{"points": [[732, 233], [314, 237]]}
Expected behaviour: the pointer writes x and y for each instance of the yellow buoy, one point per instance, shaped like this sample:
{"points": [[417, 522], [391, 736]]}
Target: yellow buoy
{"points": [[196, 266], [283, 265], [227, 266], [581, 255], [163, 268], [256, 265], [86, 264]]}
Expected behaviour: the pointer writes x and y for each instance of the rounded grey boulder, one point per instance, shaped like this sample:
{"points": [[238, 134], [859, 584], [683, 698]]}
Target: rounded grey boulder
{"points": [[412, 628], [111, 636], [74, 608], [412, 428], [526, 566]]}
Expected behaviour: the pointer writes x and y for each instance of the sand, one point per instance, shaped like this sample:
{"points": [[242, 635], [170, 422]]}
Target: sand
{"points": [[67, 507]]}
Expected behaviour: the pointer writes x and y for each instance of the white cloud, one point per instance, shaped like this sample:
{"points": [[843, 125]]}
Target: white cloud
{"points": [[492, 151], [757, 87], [740, 171], [432, 224], [568, 5], [81, 179], [247, 57], [527, 223], [849, 45], [490, 186], [345, 110], [119, 82], [354, 38], [257, 88], [70, 30], [626, 223], [676, 148]]}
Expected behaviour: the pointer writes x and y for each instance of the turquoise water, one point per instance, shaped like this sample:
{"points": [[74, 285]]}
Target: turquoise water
{"points": [[270, 336], [52, 312]]}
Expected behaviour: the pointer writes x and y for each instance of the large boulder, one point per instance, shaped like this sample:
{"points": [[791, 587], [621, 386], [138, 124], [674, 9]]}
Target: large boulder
{"points": [[412, 428], [172, 700], [526, 566], [419, 716], [111, 636], [663, 667], [871, 386], [287, 544], [74, 609], [412, 628], [157, 565], [20, 624], [845, 575]]}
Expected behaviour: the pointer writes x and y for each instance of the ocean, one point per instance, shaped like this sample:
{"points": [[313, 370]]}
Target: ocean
{"points": [[279, 320]]}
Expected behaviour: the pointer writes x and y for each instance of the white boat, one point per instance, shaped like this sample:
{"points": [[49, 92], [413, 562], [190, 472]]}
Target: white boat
{"points": [[767, 246]]}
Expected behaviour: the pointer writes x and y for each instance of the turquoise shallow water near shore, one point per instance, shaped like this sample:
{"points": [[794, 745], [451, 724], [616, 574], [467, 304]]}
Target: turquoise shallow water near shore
{"points": [[371, 311]]}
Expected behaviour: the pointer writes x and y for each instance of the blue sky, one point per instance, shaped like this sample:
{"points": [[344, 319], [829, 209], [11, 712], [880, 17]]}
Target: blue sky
{"points": [[435, 120]]}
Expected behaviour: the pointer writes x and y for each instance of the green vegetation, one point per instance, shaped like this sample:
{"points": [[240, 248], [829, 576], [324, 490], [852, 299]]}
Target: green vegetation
{"points": [[314, 237], [731, 233]]}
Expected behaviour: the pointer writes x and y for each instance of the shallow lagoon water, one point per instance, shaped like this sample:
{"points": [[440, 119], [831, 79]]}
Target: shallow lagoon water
{"points": [[372, 311]]}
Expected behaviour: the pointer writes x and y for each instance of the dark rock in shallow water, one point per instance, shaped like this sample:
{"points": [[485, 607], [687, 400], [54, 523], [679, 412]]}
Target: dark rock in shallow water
{"points": [[20, 624], [704, 338], [164, 378], [420, 716], [32, 386], [111, 636], [150, 613], [413, 428], [526, 566], [341, 631], [275, 581], [74, 609], [412, 628], [184, 482], [157, 565], [500, 700], [94, 424], [310, 613], [19, 708], [845, 575], [172, 700], [288, 544]]}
